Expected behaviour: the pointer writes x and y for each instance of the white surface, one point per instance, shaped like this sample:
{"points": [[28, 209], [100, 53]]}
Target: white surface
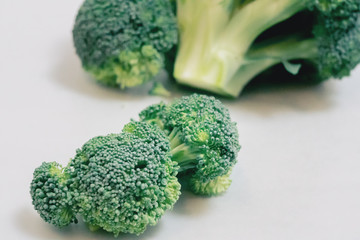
{"points": [[298, 171]]}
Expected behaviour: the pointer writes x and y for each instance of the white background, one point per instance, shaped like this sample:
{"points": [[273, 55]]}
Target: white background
{"points": [[298, 175]]}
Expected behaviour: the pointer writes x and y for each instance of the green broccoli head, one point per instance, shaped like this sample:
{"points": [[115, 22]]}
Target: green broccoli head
{"points": [[122, 43], [51, 196], [203, 139], [338, 37], [119, 182], [124, 182]]}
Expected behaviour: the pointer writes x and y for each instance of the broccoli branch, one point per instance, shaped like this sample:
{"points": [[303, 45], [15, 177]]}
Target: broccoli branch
{"points": [[214, 46], [185, 156], [263, 56]]}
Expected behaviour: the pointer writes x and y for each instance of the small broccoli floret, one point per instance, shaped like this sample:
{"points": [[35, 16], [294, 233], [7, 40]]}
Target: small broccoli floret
{"points": [[158, 89], [203, 139], [211, 188], [149, 133], [224, 44], [122, 43], [51, 196], [119, 182]]}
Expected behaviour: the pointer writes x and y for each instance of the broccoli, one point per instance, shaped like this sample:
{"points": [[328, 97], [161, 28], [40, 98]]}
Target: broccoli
{"points": [[226, 43], [125, 182], [213, 187], [203, 140], [51, 195], [122, 43], [119, 182]]}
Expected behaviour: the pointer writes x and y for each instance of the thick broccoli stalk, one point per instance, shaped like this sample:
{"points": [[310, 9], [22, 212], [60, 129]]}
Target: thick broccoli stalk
{"points": [[119, 182], [203, 139], [122, 43], [222, 46]]}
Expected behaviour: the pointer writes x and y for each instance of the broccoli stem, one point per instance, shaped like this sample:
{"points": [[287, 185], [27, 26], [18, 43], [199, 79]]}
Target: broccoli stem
{"points": [[260, 58], [175, 139], [67, 215], [200, 22], [252, 19], [212, 52], [185, 156]]}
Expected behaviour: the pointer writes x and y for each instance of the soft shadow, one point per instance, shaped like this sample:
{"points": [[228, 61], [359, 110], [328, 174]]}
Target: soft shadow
{"points": [[272, 98], [263, 99], [31, 224], [190, 204], [69, 74]]}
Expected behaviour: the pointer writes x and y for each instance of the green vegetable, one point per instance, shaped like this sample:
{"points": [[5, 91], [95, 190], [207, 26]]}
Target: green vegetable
{"points": [[224, 44], [119, 182], [122, 42], [125, 182], [51, 195], [203, 140], [213, 187]]}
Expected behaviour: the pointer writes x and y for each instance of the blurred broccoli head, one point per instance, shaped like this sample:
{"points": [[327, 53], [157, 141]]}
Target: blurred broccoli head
{"points": [[203, 139], [51, 196], [338, 36], [122, 43]]}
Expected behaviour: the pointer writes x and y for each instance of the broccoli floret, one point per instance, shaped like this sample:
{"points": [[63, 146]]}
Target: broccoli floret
{"points": [[158, 89], [122, 43], [211, 188], [203, 139], [120, 182], [226, 43], [51, 196]]}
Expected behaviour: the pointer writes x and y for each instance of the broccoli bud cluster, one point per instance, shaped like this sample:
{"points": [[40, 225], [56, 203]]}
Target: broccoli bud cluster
{"points": [[51, 196], [126, 181], [203, 139], [122, 43]]}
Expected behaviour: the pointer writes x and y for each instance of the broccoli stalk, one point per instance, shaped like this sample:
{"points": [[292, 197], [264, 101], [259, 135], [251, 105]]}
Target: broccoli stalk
{"points": [[186, 156], [262, 56], [219, 49]]}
